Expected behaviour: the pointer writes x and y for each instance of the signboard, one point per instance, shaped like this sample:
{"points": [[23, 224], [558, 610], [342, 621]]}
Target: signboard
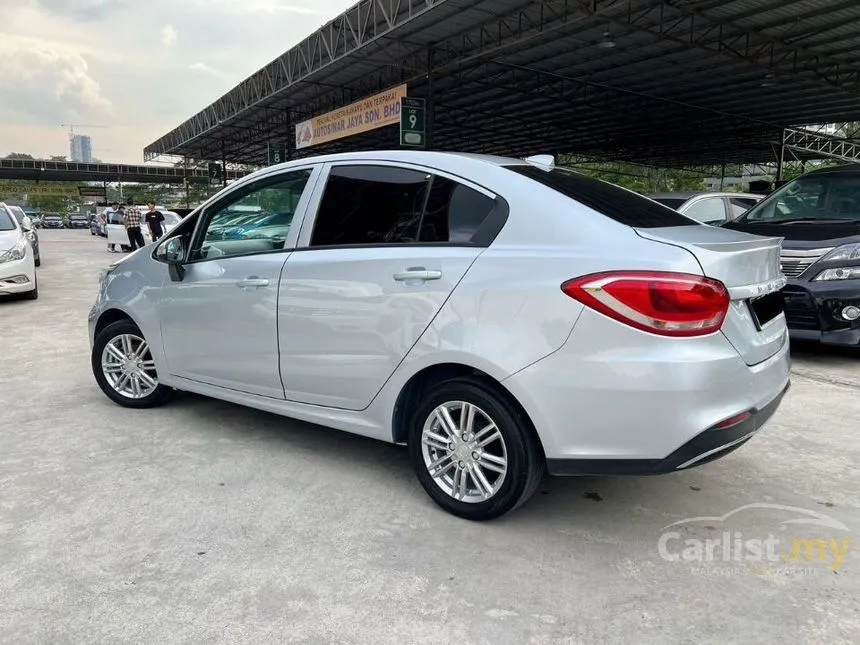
{"points": [[413, 122], [214, 173], [39, 189], [277, 154], [92, 191], [368, 114]]}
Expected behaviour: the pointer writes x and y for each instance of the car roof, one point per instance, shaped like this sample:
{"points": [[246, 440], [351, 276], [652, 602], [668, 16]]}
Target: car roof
{"points": [[847, 168], [713, 193], [670, 195]]}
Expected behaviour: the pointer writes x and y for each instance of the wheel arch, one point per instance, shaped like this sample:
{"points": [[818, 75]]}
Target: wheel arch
{"points": [[430, 376], [110, 316]]}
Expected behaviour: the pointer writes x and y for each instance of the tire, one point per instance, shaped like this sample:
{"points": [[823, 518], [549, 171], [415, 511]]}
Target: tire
{"points": [[134, 391], [34, 294], [517, 445], [38, 261]]}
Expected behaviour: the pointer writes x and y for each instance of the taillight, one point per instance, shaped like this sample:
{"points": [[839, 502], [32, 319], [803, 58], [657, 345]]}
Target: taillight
{"points": [[665, 303]]}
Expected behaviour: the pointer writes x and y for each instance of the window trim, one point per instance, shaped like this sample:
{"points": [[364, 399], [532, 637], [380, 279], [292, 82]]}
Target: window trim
{"points": [[496, 218], [208, 211]]}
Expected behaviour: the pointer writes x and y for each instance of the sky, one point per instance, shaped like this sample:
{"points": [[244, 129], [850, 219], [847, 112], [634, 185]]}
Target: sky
{"points": [[137, 68]]}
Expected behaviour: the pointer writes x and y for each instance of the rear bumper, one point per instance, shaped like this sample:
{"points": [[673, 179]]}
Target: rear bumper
{"points": [[612, 393], [705, 447], [812, 311]]}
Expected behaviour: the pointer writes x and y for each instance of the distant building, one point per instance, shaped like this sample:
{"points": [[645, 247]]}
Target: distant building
{"points": [[82, 148]]}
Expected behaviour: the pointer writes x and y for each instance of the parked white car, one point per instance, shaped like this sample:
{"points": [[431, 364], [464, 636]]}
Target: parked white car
{"points": [[171, 219], [709, 208], [499, 317], [17, 261]]}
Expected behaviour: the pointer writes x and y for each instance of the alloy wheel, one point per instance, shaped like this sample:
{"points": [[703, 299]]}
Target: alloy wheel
{"points": [[464, 452], [128, 366]]}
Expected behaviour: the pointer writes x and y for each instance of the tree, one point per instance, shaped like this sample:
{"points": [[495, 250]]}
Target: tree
{"points": [[52, 203], [19, 156], [57, 158]]}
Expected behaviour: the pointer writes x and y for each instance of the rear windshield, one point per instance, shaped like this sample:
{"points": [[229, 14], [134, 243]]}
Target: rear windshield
{"points": [[672, 202], [612, 201]]}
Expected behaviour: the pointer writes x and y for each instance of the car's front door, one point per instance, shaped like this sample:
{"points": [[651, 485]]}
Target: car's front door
{"points": [[219, 321], [386, 249]]}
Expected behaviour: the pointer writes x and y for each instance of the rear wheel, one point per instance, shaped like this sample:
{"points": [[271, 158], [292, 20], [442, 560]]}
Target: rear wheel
{"points": [[124, 368], [473, 451]]}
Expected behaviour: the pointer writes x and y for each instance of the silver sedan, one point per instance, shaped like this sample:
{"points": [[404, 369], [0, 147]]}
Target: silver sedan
{"points": [[499, 317]]}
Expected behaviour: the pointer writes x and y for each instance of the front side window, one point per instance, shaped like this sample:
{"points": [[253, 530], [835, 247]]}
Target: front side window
{"points": [[826, 196], [708, 209], [256, 220]]}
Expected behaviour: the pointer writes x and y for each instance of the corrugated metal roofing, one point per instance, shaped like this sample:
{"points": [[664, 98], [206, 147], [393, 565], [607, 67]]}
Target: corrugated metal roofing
{"points": [[688, 81]]}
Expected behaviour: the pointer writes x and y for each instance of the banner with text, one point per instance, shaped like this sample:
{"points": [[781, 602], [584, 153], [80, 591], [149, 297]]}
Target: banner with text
{"points": [[362, 116], [38, 189]]}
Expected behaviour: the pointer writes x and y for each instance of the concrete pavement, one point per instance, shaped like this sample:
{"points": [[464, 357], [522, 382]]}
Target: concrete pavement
{"points": [[204, 522]]}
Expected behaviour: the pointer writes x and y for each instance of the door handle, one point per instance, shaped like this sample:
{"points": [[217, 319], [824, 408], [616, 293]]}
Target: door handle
{"points": [[418, 274], [252, 282]]}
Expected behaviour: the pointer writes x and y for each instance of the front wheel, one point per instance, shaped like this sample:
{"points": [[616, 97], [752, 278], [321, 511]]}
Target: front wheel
{"points": [[123, 367], [34, 293], [473, 451]]}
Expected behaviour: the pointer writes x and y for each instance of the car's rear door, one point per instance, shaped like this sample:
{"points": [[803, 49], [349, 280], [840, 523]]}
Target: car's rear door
{"points": [[386, 248]]}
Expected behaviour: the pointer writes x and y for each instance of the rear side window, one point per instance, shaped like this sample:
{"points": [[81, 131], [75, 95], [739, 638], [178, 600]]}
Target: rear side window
{"points": [[741, 205], [389, 205], [370, 205], [455, 213], [622, 205]]}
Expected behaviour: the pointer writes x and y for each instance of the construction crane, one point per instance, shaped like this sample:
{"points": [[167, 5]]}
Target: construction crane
{"points": [[72, 126]]}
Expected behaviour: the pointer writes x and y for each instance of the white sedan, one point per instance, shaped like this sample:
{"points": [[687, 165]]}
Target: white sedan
{"points": [[17, 263], [171, 219]]}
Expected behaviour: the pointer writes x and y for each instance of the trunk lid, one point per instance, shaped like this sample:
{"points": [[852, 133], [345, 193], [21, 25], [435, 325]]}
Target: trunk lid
{"points": [[749, 267]]}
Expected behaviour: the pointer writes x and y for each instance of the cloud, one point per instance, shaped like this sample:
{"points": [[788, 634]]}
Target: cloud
{"points": [[84, 10], [33, 68], [271, 7], [203, 68], [168, 35]]}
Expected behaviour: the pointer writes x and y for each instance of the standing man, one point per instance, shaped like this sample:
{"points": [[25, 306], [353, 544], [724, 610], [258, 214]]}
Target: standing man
{"points": [[132, 219], [154, 219]]}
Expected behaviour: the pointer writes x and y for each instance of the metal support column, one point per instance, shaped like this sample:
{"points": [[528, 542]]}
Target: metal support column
{"points": [[223, 165], [781, 159], [185, 177], [291, 137], [431, 105]]}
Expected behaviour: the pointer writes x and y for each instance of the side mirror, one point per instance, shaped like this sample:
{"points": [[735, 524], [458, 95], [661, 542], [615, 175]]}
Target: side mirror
{"points": [[172, 252]]}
